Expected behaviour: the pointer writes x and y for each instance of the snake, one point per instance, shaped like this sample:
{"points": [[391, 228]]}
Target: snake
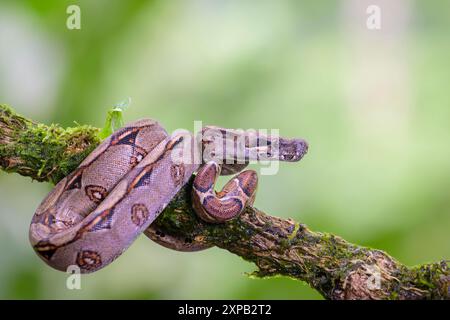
{"points": [[97, 211]]}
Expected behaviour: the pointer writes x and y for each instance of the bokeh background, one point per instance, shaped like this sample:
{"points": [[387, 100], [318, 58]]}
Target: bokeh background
{"points": [[373, 104]]}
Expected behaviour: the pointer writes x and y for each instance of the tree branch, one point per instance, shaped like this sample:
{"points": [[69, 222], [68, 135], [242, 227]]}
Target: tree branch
{"points": [[328, 263]]}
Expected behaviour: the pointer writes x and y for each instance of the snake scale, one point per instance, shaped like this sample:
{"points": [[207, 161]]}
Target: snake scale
{"points": [[94, 214]]}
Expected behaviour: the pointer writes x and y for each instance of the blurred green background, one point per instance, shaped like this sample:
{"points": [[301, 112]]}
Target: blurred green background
{"points": [[373, 104]]}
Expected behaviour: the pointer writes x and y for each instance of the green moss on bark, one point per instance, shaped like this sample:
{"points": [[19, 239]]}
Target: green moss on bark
{"points": [[45, 153]]}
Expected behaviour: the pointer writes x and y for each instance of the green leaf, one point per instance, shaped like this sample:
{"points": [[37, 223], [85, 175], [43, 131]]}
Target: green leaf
{"points": [[114, 118]]}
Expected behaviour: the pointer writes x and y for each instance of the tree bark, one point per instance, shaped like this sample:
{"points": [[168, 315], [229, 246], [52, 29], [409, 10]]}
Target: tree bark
{"points": [[334, 267]]}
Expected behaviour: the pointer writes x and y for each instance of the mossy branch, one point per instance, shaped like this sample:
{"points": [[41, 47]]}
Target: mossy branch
{"points": [[334, 267]]}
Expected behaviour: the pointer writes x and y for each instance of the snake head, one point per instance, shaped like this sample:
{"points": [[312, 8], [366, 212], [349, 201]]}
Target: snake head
{"points": [[282, 149], [292, 150]]}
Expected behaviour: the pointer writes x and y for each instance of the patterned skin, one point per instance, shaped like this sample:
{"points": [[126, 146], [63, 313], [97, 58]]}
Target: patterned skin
{"points": [[95, 213]]}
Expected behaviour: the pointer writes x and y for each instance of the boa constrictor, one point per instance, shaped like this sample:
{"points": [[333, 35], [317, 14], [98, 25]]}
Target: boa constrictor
{"points": [[96, 212]]}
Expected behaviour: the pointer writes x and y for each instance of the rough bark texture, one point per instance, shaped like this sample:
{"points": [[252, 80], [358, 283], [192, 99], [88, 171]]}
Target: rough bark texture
{"points": [[328, 263]]}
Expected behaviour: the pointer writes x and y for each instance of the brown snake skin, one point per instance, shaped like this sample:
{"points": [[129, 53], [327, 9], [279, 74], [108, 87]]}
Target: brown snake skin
{"points": [[95, 213]]}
